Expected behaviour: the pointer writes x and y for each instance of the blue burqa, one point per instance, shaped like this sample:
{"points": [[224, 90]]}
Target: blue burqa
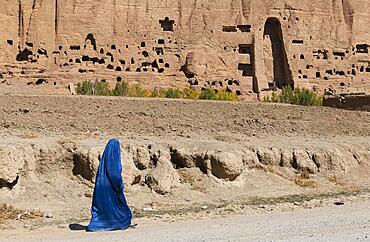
{"points": [[109, 207]]}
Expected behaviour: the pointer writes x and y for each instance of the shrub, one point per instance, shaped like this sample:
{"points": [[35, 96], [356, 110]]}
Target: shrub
{"points": [[121, 89], [208, 94], [136, 91], [225, 95], [298, 96], [97, 88], [124, 89], [157, 93], [85, 88], [102, 89], [172, 93], [221, 95], [188, 93]]}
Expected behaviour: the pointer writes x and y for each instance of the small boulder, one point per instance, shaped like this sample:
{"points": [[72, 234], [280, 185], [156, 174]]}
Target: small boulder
{"points": [[86, 162], [182, 158], [130, 173], [226, 165], [269, 156], [14, 159], [163, 177], [362, 156], [303, 162]]}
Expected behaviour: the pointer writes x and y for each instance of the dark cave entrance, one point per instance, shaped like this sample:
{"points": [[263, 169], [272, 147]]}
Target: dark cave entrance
{"points": [[280, 74]]}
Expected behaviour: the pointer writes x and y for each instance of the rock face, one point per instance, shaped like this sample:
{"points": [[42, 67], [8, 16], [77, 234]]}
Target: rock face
{"points": [[262, 44]]}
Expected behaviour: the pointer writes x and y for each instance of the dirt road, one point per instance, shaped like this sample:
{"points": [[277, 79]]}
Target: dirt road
{"points": [[349, 222]]}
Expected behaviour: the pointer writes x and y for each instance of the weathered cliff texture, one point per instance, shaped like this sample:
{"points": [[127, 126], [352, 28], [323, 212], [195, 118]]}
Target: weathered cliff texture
{"points": [[245, 45]]}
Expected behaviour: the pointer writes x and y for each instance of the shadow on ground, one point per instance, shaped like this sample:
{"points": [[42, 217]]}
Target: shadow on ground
{"points": [[77, 227]]}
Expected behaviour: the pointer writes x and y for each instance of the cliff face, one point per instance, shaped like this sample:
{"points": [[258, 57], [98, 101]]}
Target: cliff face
{"points": [[256, 44]]}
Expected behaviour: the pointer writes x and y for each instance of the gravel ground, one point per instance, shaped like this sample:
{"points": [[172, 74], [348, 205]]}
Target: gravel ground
{"points": [[349, 222]]}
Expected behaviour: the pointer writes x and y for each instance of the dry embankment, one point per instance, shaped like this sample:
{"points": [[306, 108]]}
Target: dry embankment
{"points": [[186, 152]]}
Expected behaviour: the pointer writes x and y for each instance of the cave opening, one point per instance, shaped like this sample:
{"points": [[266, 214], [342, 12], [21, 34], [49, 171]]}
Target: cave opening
{"points": [[276, 61]]}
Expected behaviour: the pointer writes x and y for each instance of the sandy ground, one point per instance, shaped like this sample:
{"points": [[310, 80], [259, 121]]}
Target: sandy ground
{"points": [[43, 121], [348, 222]]}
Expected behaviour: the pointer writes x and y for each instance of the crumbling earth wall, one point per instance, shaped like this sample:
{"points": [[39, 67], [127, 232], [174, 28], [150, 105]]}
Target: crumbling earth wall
{"points": [[246, 46], [160, 166]]}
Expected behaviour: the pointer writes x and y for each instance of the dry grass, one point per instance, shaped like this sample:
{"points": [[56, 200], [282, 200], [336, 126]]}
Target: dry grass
{"points": [[304, 180], [185, 176], [334, 179], [29, 135], [9, 212], [306, 183], [196, 184]]}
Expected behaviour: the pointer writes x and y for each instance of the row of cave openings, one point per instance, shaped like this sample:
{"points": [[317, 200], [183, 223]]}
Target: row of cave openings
{"points": [[323, 54], [106, 56], [145, 62], [326, 74], [281, 73], [338, 55], [26, 54], [158, 65]]}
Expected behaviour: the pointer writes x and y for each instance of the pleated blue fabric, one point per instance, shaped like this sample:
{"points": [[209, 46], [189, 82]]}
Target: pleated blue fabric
{"points": [[109, 206]]}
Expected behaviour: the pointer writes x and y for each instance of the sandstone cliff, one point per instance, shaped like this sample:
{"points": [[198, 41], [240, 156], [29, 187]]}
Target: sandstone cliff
{"points": [[259, 44]]}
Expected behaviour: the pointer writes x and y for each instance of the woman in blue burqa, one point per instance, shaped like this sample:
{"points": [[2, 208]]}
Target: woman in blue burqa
{"points": [[109, 207]]}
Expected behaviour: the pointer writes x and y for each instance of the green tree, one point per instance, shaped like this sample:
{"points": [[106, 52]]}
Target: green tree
{"points": [[207, 94], [85, 88], [121, 89], [172, 93], [102, 89]]}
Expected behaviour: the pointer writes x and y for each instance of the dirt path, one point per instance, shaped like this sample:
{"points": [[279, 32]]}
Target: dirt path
{"points": [[349, 222]]}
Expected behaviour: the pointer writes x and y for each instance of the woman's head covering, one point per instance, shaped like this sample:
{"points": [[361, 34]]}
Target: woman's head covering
{"points": [[109, 208]]}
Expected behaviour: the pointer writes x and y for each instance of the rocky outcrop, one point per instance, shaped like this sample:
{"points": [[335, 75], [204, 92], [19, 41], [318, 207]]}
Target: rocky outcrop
{"points": [[162, 178], [303, 162], [226, 165], [13, 159]]}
